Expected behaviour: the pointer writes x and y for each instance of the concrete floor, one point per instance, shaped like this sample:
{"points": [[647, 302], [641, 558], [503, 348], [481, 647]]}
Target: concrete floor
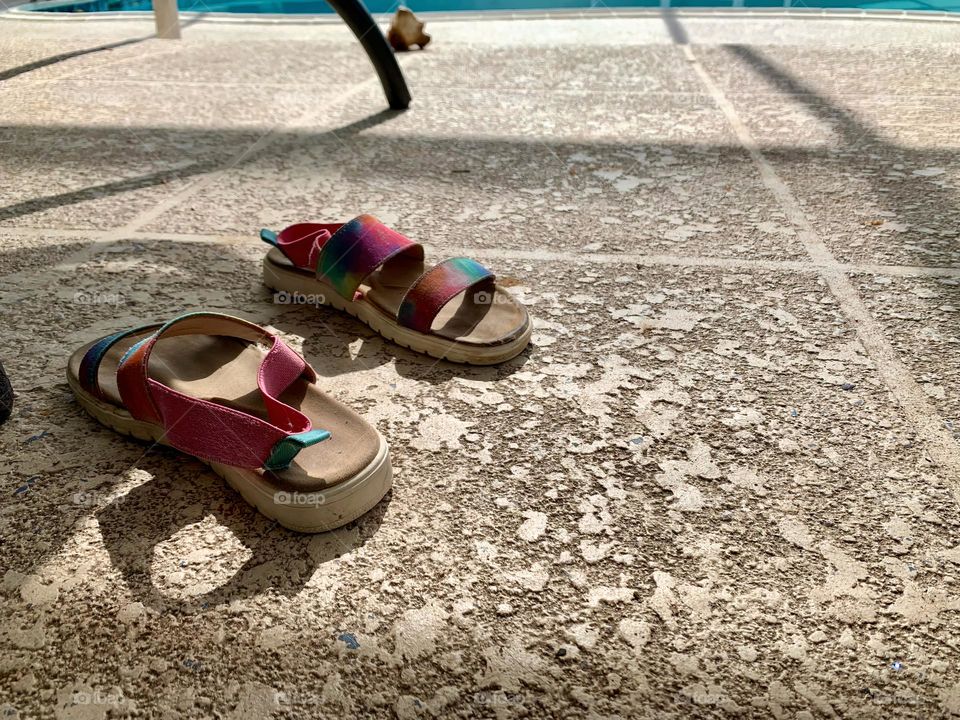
{"points": [[721, 482]]}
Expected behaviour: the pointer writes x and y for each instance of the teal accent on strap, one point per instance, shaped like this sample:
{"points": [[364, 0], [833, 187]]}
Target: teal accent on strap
{"points": [[286, 450], [133, 348], [269, 236]]}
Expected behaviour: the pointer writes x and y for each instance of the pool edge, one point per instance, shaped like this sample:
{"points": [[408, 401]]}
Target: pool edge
{"points": [[20, 13]]}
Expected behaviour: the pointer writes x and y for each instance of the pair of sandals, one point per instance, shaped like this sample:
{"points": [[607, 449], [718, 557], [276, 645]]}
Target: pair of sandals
{"points": [[234, 395]]}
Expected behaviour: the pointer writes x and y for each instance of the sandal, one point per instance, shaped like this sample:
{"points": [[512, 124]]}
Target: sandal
{"points": [[234, 395], [6, 396], [455, 310]]}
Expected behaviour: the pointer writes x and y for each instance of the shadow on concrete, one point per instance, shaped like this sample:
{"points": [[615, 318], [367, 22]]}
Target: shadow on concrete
{"points": [[90, 137], [61, 57], [678, 33], [850, 128], [181, 493], [417, 164], [345, 345], [54, 59], [116, 187], [930, 209]]}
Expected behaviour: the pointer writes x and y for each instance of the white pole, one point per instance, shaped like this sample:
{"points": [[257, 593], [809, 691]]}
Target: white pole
{"points": [[167, 19]]}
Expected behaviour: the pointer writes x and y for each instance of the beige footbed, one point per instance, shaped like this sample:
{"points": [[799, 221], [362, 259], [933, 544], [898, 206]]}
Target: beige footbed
{"points": [[463, 331], [224, 370]]}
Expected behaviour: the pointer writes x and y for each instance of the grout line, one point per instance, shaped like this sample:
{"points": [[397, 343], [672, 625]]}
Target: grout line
{"points": [[539, 255], [943, 450], [902, 270]]}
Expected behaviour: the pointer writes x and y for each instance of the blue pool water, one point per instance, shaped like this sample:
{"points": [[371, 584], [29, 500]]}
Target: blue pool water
{"points": [[316, 7]]}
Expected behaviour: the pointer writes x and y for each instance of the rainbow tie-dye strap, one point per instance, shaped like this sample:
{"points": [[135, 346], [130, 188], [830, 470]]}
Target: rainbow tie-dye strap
{"points": [[439, 285], [357, 249]]}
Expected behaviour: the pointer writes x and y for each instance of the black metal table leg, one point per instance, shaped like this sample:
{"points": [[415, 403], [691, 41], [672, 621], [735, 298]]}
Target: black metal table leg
{"points": [[359, 20]]}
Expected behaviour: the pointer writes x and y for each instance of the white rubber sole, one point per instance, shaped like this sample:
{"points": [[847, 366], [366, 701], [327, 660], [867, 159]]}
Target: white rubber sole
{"points": [[303, 512], [294, 283]]}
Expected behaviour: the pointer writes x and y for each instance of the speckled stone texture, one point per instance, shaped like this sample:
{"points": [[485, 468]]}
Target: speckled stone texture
{"points": [[722, 480]]}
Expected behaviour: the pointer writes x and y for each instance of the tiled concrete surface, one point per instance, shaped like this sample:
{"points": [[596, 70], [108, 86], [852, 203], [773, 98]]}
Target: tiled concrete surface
{"points": [[722, 481]]}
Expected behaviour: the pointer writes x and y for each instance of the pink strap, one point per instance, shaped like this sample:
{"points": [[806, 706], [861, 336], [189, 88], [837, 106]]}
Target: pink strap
{"points": [[278, 370], [209, 430], [301, 243], [214, 432]]}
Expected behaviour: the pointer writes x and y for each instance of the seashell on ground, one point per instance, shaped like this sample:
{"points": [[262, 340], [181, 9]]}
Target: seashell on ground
{"points": [[406, 31]]}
